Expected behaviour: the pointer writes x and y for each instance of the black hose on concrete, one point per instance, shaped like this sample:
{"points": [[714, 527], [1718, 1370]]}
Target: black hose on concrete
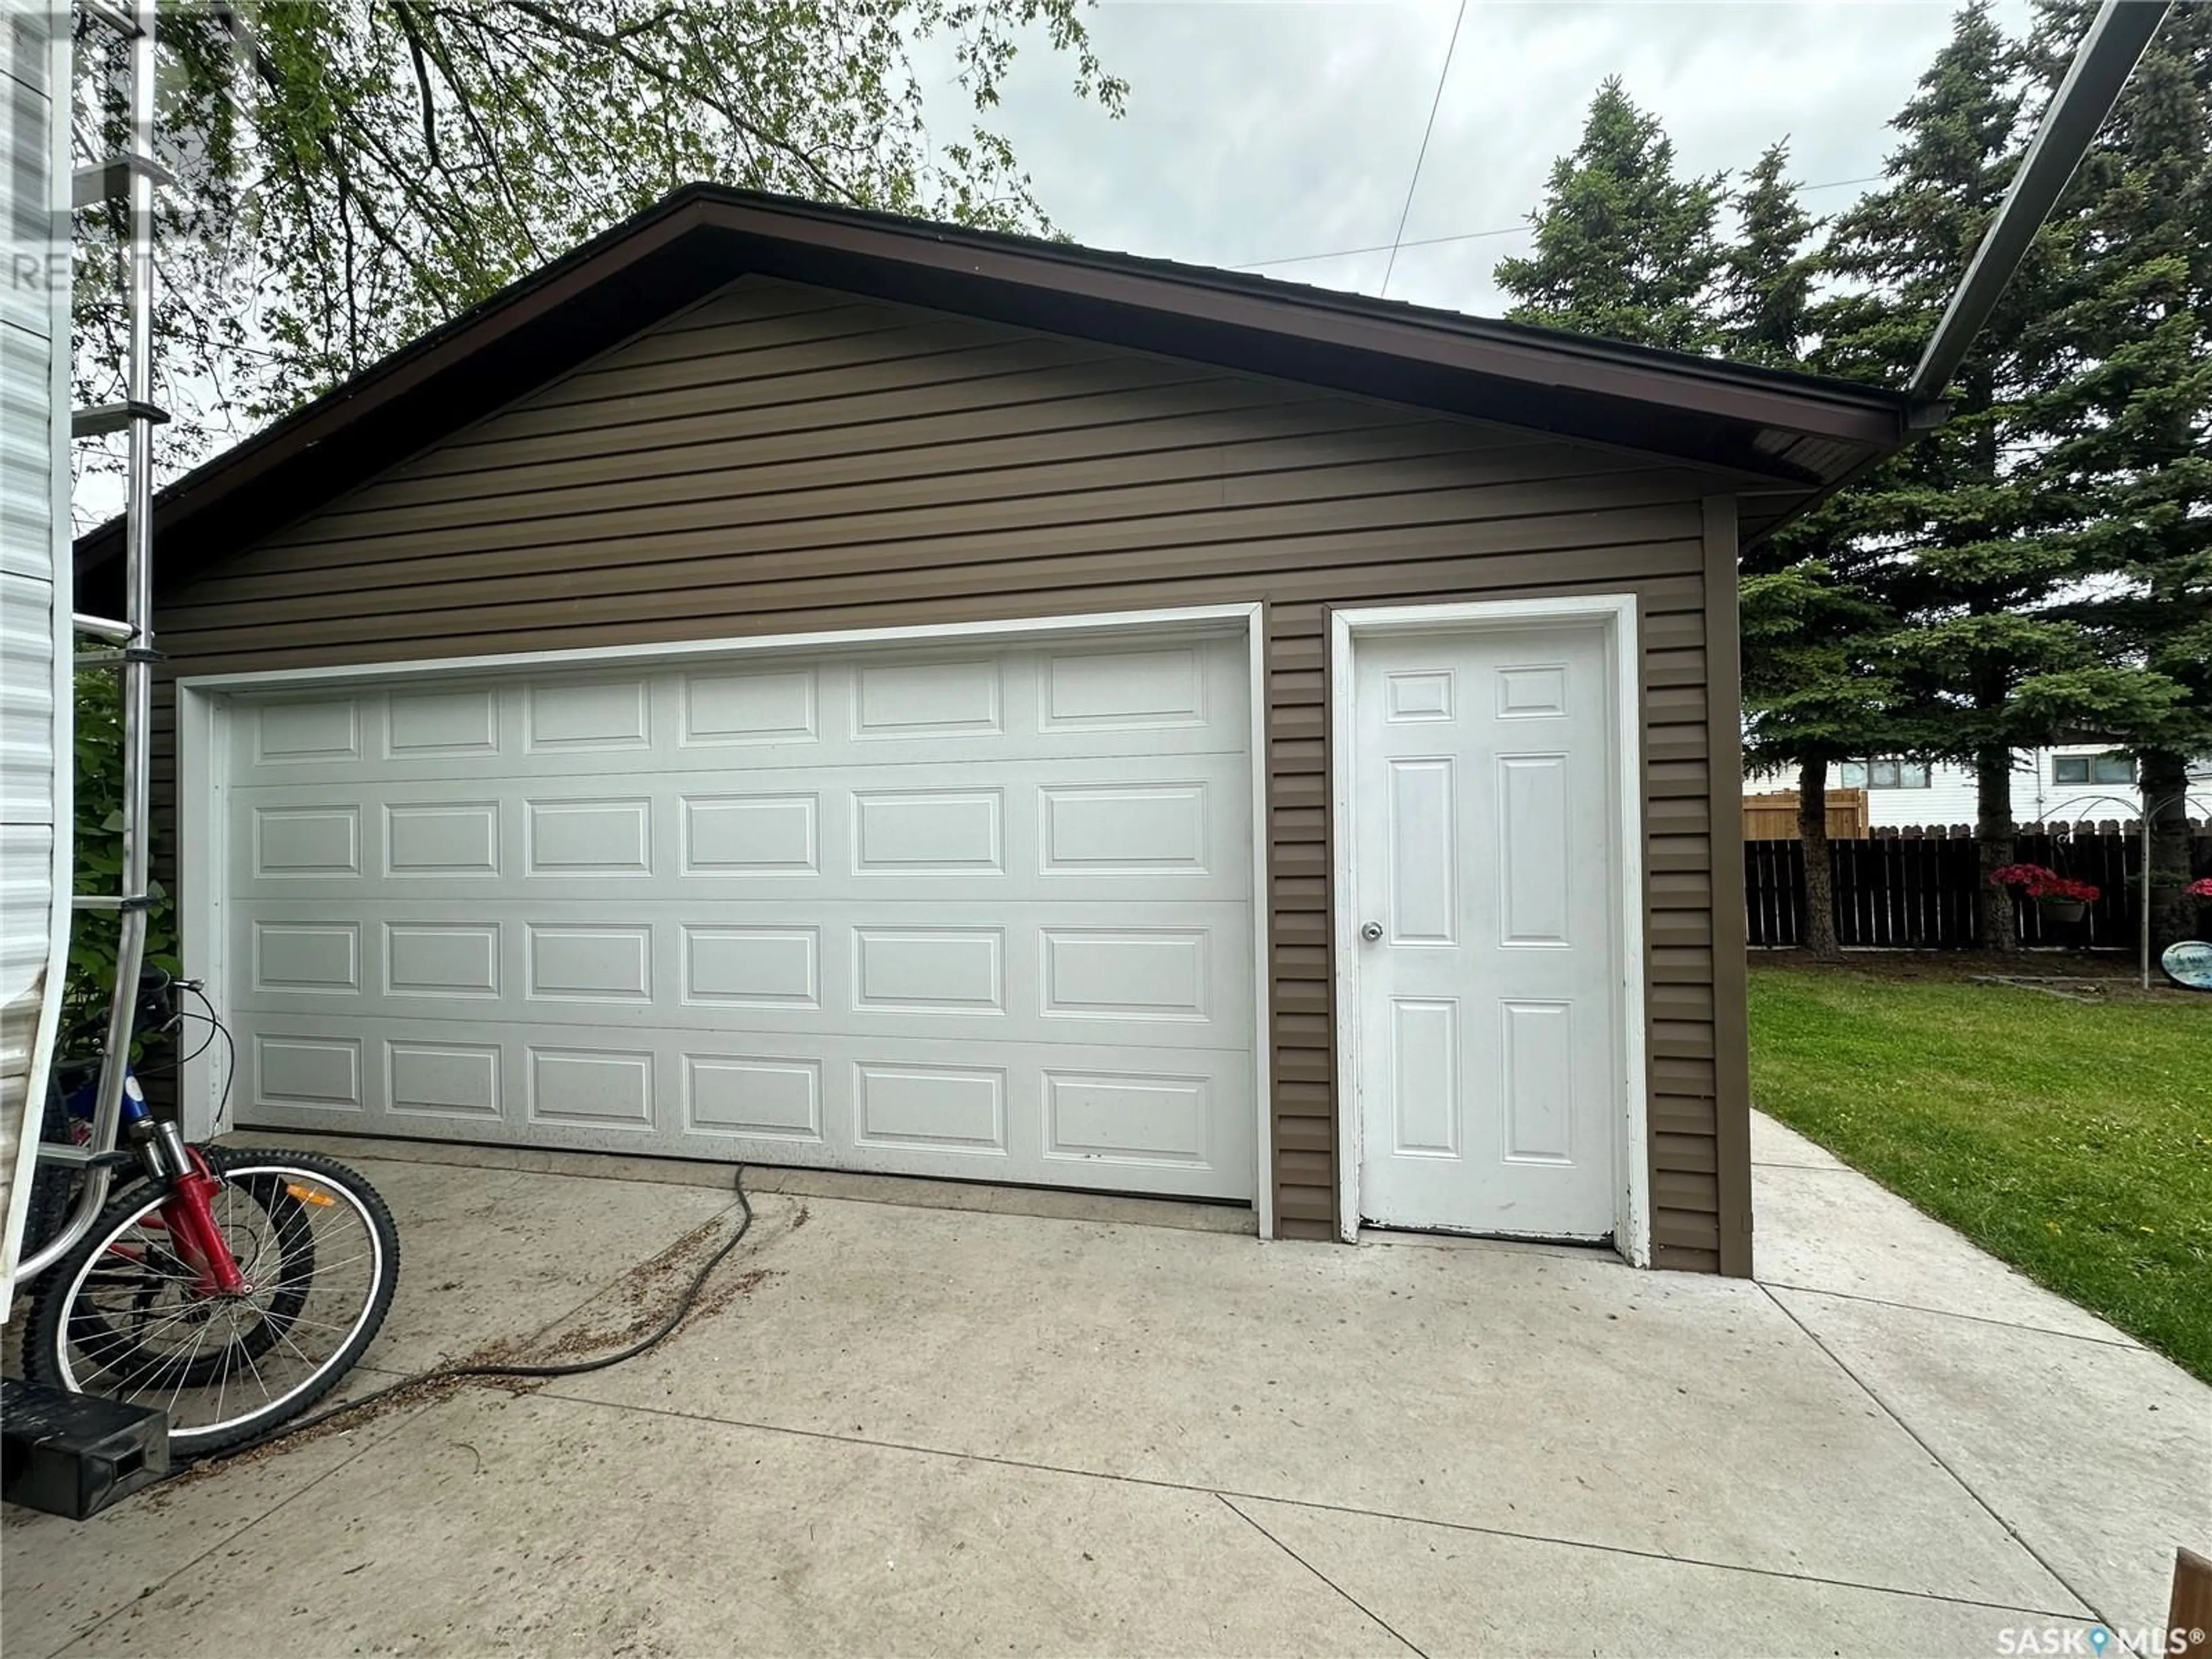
{"points": [[652, 1339]]}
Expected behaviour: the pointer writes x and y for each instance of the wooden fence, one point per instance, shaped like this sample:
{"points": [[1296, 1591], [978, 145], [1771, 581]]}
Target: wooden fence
{"points": [[1773, 816], [1913, 889]]}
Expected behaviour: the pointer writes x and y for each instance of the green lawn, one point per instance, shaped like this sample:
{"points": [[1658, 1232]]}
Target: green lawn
{"points": [[2074, 1141]]}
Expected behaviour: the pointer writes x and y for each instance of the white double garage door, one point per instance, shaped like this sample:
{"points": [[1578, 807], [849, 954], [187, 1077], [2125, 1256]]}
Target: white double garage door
{"points": [[983, 913]]}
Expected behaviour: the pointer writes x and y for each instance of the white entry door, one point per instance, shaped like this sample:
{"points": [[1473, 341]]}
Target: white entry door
{"points": [[1483, 815]]}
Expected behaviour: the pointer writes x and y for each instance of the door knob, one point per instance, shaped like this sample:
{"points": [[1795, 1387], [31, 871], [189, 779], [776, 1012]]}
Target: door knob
{"points": [[1371, 932]]}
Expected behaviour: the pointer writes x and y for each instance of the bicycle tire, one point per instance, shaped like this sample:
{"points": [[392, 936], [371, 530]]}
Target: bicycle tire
{"points": [[64, 1312], [294, 1278]]}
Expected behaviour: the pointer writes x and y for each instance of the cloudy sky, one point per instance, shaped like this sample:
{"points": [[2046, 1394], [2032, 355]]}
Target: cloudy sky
{"points": [[1261, 131]]}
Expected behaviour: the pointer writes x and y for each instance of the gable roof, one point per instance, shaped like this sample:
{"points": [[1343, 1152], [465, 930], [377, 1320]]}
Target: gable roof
{"points": [[1789, 438]]}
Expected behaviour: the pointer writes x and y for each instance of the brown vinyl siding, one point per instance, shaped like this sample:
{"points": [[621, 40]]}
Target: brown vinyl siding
{"points": [[783, 459]]}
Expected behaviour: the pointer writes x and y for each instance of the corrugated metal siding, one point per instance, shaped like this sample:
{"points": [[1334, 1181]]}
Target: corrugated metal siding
{"points": [[33, 317], [784, 458]]}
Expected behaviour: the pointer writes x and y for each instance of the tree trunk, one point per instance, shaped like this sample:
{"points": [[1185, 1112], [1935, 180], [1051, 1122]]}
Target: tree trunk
{"points": [[1993, 849], [2165, 787], [1819, 937]]}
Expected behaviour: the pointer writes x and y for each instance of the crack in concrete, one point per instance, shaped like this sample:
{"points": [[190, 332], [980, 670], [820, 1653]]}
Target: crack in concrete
{"points": [[1941, 1462], [1165, 1484], [1378, 1619], [2125, 1343]]}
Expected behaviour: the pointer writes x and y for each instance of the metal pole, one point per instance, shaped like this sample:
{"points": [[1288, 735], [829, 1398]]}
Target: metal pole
{"points": [[2116, 39], [137, 672], [2151, 809], [2147, 809], [138, 574]]}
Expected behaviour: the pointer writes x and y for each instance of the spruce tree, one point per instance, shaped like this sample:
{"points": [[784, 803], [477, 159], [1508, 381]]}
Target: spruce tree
{"points": [[1767, 274], [1624, 249], [1809, 697], [1958, 524], [2128, 409]]}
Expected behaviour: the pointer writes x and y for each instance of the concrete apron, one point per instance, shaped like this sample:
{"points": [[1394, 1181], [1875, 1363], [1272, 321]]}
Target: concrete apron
{"points": [[909, 1428]]}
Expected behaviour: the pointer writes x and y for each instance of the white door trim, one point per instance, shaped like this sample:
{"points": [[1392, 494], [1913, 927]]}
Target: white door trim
{"points": [[204, 704], [1616, 614]]}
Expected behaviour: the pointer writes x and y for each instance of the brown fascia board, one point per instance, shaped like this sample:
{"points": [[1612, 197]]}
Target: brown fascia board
{"points": [[1167, 317], [700, 237], [1531, 357]]}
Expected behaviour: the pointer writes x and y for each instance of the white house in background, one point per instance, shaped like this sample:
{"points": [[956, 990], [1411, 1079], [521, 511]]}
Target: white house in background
{"points": [[2072, 781]]}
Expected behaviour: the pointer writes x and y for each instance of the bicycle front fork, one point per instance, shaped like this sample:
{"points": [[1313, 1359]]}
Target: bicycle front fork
{"points": [[189, 1214], [169, 1161]]}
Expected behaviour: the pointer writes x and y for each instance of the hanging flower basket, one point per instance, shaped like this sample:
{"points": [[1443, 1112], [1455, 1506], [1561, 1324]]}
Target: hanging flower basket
{"points": [[2061, 898], [2200, 891]]}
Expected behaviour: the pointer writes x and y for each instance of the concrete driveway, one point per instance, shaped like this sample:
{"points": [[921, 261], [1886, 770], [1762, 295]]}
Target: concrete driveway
{"points": [[918, 1420]]}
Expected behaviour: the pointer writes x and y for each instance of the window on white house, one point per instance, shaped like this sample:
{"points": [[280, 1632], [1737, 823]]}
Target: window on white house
{"points": [[1885, 775], [2093, 768]]}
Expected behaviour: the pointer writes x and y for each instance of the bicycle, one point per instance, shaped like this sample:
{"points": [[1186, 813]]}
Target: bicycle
{"points": [[232, 1288]]}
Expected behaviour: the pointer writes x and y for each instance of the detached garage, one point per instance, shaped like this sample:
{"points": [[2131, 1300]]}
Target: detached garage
{"points": [[792, 685]]}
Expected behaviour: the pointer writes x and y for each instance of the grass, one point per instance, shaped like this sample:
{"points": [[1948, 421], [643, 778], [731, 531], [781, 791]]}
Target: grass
{"points": [[2072, 1140]]}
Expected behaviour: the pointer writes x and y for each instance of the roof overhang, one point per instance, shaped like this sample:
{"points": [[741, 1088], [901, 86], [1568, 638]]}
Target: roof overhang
{"points": [[1782, 439]]}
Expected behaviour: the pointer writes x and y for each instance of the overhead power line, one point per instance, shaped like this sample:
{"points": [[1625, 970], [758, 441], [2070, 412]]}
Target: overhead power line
{"points": [[1384, 247], [1475, 235], [1414, 182]]}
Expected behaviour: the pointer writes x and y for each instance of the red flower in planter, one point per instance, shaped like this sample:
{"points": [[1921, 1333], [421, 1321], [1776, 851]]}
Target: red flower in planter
{"points": [[2065, 887], [2038, 881], [2200, 889]]}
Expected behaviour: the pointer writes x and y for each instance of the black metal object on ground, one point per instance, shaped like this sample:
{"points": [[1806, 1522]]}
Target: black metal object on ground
{"points": [[75, 1454]]}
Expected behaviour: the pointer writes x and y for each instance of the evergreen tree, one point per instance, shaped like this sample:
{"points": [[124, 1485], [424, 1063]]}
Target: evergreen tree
{"points": [[1810, 698], [1767, 274], [1957, 525], [1624, 248], [2128, 411]]}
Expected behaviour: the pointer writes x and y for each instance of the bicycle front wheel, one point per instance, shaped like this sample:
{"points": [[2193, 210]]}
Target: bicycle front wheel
{"points": [[124, 1315]]}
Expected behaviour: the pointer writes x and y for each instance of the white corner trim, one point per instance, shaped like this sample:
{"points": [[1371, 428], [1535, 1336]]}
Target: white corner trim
{"points": [[1344, 991], [1616, 614], [1632, 1217], [1263, 969], [204, 703], [202, 871]]}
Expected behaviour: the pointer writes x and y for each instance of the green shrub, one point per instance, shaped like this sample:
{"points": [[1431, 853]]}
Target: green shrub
{"points": [[93, 936]]}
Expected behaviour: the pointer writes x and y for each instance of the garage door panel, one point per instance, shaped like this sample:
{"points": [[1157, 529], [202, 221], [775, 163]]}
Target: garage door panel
{"points": [[1162, 974], [1061, 827], [1169, 1120], [676, 757], [1086, 701], [955, 911]]}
